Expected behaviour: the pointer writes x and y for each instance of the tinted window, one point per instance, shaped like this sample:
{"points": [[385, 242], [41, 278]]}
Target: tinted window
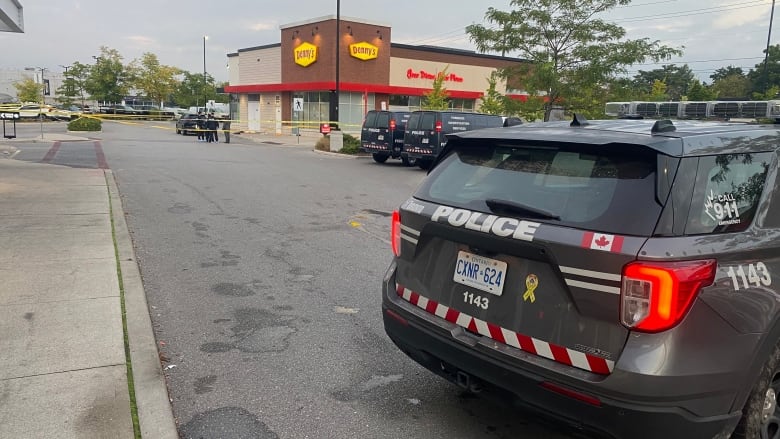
{"points": [[401, 119], [414, 121], [383, 120], [370, 120], [428, 121], [726, 192], [606, 188]]}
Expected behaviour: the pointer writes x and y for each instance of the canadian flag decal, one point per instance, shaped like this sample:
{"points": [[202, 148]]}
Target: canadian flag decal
{"points": [[601, 241]]}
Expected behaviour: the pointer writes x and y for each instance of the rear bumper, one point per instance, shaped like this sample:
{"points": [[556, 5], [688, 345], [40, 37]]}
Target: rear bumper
{"points": [[520, 384], [383, 149]]}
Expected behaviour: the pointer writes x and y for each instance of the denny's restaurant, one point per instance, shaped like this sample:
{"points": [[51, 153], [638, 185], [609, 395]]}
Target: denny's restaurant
{"points": [[290, 85]]}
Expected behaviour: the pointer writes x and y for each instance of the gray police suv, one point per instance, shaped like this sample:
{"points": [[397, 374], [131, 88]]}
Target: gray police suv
{"points": [[614, 275]]}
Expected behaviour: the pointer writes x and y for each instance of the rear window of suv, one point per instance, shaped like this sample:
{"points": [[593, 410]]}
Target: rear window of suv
{"points": [[726, 192], [602, 188]]}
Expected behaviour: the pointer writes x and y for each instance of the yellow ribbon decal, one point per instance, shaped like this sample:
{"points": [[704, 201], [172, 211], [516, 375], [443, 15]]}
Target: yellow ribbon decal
{"points": [[531, 282]]}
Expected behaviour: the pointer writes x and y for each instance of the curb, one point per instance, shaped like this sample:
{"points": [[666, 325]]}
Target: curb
{"points": [[155, 414]]}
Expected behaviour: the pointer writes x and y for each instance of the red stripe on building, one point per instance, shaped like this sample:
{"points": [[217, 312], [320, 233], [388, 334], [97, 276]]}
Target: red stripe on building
{"points": [[347, 86]]}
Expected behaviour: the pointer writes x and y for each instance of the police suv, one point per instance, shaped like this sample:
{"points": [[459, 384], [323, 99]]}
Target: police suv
{"points": [[617, 276]]}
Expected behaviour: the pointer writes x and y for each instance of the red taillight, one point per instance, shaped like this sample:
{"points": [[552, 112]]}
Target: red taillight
{"points": [[392, 124], [565, 391], [395, 233], [438, 126], [656, 295]]}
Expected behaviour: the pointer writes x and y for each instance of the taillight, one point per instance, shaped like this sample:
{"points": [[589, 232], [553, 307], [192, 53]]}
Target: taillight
{"points": [[656, 295], [392, 124], [395, 233], [438, 126]]}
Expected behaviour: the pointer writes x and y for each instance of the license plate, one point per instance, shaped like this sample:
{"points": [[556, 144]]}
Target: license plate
{"points": [[380, 137], [424, 140], [479, 272]]}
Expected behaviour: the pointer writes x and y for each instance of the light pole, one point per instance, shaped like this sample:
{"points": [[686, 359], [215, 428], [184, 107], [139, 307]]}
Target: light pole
{"points": [[205, 37], [43, 95], [68, 91]]}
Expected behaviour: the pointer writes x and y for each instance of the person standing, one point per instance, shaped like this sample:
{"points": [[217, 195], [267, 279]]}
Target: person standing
{"points": [[226, 129], [201, 125]]}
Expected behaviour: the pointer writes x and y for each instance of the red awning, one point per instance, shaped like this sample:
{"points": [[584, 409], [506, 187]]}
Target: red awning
{"points": [[347, 86]]}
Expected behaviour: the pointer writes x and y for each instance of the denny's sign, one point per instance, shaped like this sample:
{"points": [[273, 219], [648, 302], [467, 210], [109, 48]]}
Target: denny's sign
{"points": [[363, 51], [305, 54]]}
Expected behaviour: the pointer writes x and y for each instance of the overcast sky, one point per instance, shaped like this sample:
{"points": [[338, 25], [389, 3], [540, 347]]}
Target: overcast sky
{"points": [[714, 33]]}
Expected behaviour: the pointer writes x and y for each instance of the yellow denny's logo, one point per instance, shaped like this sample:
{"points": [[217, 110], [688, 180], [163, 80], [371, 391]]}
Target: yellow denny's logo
{"points": [[305, 54], [363, 50]]}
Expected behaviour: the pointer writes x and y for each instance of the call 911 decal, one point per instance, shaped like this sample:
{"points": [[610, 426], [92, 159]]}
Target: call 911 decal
{"points": [[722, 208], [749, 275]]}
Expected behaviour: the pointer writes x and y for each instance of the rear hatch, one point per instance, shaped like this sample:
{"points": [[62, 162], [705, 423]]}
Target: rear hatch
{"points": [[398, 122], [375, 134], [525, 242], [421, 136]]}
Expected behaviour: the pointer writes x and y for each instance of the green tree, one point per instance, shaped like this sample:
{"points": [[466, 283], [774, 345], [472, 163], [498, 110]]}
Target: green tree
{"points": [[493, 101], [157, 81], [568, 47], [725, 72], [108, 78], [27, 90], [531, 109], [438, 97], [699, 92], [658, 92], [732, 86], [764, 79], [677, 80], [78, 74], [191, 90]]}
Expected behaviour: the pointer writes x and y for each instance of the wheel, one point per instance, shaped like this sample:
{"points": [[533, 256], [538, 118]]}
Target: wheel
{"points": [[178, 131], [379, 158], [184, 132], [408, 161], [761, 415]]}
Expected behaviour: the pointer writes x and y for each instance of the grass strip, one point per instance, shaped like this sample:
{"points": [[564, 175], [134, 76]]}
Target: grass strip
{"points": [[128, 361]]}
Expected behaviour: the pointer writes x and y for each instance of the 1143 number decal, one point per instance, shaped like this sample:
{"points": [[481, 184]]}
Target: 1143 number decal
{"points": [[745, 276]]}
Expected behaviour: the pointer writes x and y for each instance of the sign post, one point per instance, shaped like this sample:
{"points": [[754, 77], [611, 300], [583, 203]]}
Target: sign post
{"points": [[9, 115]]}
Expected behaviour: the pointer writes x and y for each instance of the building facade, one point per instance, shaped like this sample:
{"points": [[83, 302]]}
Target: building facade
{"points": [[291, 85]]}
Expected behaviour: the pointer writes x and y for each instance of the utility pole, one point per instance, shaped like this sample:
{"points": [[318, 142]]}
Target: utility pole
{"points": [[205, 37], [766, 56], [334, 114]]}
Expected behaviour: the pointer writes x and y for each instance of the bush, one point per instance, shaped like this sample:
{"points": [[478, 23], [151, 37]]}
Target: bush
{"points": [[351, 145], [85, 124], [323, 144]]}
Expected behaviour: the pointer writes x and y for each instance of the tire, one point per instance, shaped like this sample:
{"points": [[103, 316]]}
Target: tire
{"points": [[408, 162], [423, 164], [379, 158], [757, 420], [178, 131]]}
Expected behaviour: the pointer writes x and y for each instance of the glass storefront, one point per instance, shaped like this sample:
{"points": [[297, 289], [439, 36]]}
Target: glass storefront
{"points": [[413, 103], [316, 109]]}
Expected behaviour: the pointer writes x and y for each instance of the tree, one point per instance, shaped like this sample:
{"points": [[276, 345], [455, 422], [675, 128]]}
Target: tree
{"points": [[438, 97], [493, 101], [78, 74], [699, 92], [157, 81], [658, 92], [568, 48], [108, 78], [725, 72], [732, 86], [191, 90], [676, 78], [764, 79], [27, 90]]}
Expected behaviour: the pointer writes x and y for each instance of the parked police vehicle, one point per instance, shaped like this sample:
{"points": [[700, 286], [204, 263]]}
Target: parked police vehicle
{"points": [[619, 276], [382, 134], [426, 131], [696, 109]]}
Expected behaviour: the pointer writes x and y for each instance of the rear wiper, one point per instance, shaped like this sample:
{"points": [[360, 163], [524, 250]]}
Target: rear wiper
{"points": [[519, 208]]}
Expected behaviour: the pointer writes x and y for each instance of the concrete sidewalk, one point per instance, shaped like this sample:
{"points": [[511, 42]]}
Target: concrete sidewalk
{"points": [[63, 358]]}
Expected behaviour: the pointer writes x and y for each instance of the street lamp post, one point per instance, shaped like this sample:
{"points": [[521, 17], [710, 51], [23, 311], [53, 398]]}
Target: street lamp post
{"points": [[205, 37], [43, 95], [67, 83]]}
